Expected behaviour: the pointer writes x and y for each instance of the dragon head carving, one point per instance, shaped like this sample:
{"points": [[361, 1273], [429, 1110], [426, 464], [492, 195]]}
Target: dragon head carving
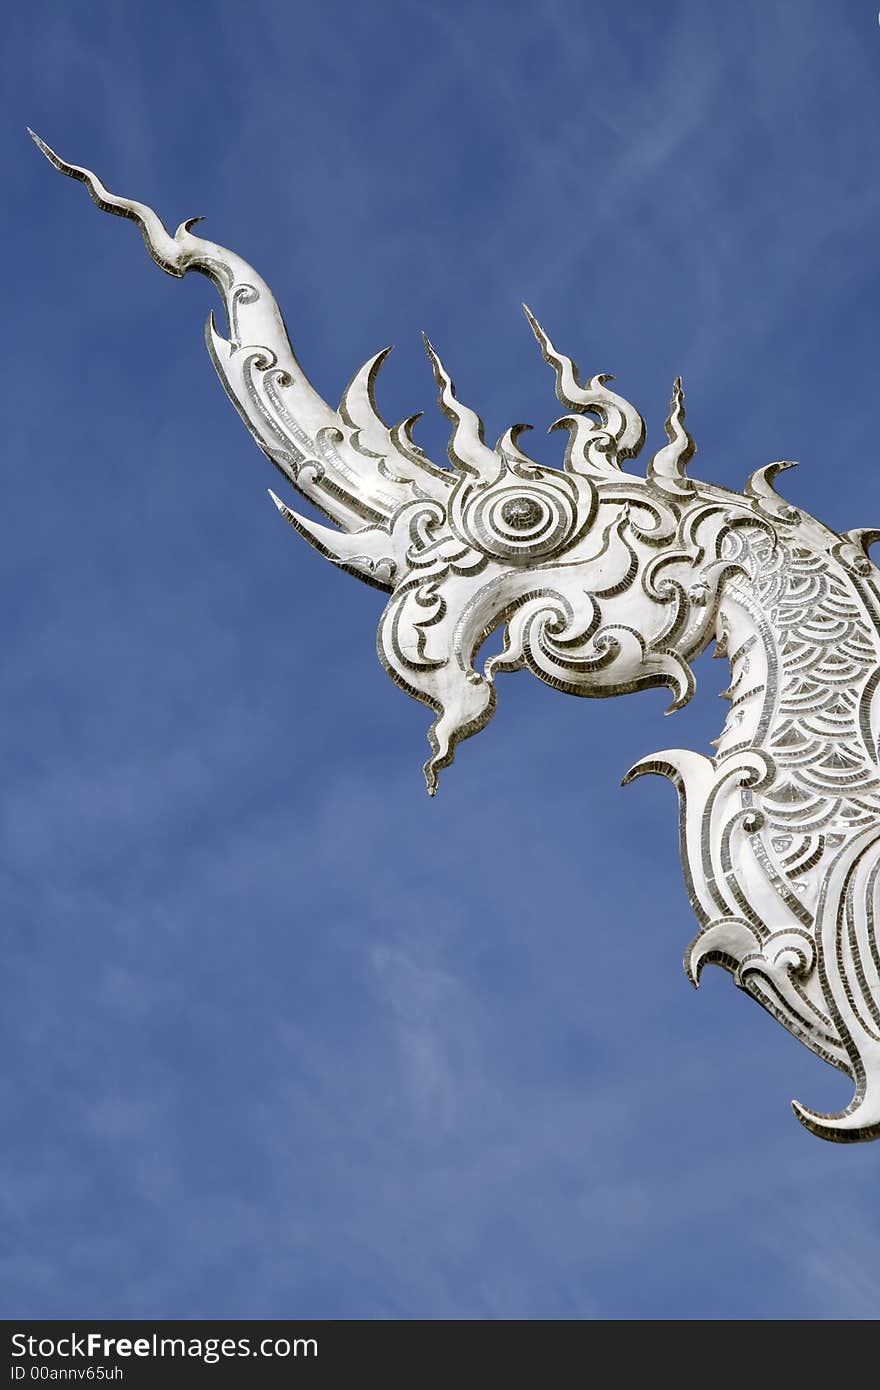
{"points": [[604, 582]]}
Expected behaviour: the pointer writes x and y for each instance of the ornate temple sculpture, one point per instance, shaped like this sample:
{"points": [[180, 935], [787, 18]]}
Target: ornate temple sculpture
{"points": [[606, 582]]}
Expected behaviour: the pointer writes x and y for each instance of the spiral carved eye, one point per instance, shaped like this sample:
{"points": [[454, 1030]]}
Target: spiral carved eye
{"points": [[518, 520], [522, 513]]}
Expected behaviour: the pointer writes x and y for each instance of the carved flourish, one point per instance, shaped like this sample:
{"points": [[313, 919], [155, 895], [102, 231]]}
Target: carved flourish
{"points": [[604, 583]]}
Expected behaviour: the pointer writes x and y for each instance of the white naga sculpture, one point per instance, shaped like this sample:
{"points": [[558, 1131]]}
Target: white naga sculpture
{"points": [[606, 582]]}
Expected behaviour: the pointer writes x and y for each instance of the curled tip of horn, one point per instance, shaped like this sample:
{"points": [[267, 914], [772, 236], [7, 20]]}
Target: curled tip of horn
{"points": [[761, 488], [760, 483], [508, 448]]}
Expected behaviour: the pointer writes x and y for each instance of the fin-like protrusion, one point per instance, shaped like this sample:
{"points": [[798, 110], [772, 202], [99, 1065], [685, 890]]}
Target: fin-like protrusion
{"points": [[688, 771], [679, 679], [726, 941], [846, 920], [508, 447], [467, 448], [666, 469], [590, 450], [619, 418], [402, 439], [693, 776], [722, 641], [760, 487], [393, 449], [858, 1123], [358, 408], [368, 553]]}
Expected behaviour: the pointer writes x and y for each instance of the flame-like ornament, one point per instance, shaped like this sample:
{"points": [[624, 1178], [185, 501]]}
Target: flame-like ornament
{"points": [[604, 583]]}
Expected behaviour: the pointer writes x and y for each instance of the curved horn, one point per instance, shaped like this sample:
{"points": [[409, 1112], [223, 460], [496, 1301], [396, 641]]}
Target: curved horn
{"points": [[320, 451]]}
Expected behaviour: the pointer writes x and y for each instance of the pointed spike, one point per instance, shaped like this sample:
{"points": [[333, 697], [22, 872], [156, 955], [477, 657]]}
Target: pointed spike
{"points": [[361, 387], [366, 553], [534, 325], [359, 411], [727, 939], [372, 437], [683, 684], [568, 383], [467, 448], [47, 150], [666, 469], [402, 436], [215, 339], [406, 448], [619, 418], [859, 1121], [568, 387], [680, 765], [722, 641]]}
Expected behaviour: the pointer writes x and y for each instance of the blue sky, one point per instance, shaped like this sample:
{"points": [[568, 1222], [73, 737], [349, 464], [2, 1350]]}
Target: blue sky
{"points": [[281, 1036]]}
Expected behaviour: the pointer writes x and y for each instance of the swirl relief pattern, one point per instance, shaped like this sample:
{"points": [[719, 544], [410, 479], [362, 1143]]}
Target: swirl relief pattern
{"points": [[605, 582]]}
